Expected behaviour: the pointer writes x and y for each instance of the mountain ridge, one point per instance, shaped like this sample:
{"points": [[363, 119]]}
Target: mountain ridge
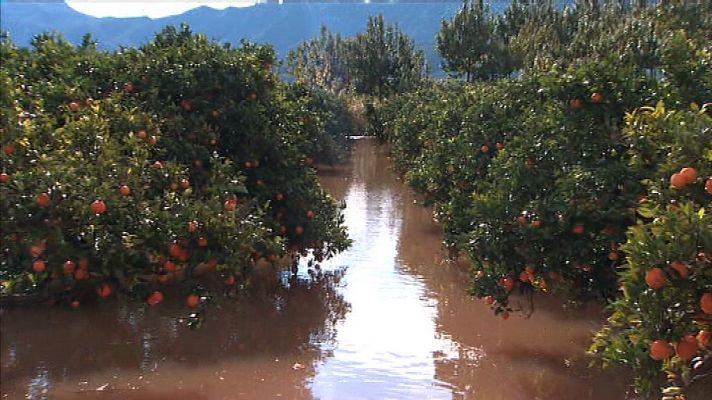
{"points": [[282, 25]]}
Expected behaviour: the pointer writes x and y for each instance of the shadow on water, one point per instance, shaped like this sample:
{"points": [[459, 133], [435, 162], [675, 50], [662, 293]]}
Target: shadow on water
{"points": [[263, 346]]}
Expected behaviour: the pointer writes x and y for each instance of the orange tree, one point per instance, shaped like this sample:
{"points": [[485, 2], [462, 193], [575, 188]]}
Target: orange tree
{"points": [[110, 183], [527, 176], [536, 181], [661, 324], [217, 99]]}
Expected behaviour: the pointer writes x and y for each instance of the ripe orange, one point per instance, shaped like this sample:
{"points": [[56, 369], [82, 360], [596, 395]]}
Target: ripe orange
{"points": [[155, 298], [169, 266], [706, 303], [536, 223], [202, 242], [42, 200], [499, 146], [687, 347], [75, 304], [98, 207], [597, 98], [38, 248], [579, 229], [73, 106], [230, 280], [128, 87], [522, 220], [141, 134], [175, 249], [310, 214], [124, 190], [192, 226], [299, 230], [185, 184], [157, 165], [8, 149], [485, 148], [524, 276], [681, 268], [68, 267], [576, 104], [613, 255], [689, 174], [230, 205], [4, 178], [507, 283], [81, 274], [661, 350], [505, 315], [104, 290], [39, 266], [704, 338], [529, 270], [152, 140], [678, 181], [655, 278], [708, 185], [215, 113], [192, 300]]}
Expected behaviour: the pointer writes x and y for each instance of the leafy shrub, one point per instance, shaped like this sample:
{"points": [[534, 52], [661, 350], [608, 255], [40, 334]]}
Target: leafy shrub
{"points": [[133, 170], [668, 268]]}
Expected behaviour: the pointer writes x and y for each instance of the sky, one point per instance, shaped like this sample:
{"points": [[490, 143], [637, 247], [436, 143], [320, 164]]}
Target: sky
{"points": [[149, 8]]}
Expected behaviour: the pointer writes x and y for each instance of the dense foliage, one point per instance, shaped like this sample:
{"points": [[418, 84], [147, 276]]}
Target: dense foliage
{"points": [[552, 182], [666, 285], [144, 170], [378, 62]]}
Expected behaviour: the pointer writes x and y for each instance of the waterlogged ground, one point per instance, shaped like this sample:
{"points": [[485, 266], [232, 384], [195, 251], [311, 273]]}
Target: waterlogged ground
{"points": [[388, 319]]}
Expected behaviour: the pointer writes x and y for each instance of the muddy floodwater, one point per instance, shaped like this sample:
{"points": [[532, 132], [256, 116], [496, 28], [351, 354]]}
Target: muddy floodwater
{"points": [[387, 319]]}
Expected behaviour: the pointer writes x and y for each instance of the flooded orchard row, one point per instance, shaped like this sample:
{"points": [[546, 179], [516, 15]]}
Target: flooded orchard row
{"points": [[387, 319]]}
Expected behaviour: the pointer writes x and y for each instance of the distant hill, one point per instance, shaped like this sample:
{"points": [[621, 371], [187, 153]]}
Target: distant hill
{"points": [[284, 26]]}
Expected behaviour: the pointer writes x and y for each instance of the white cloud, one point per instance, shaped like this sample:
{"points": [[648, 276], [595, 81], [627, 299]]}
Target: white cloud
{"points": [[148, 8]]}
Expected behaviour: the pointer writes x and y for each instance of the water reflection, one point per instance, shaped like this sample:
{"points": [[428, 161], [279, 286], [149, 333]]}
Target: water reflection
{"points": [[263, 346], [415, 333]]}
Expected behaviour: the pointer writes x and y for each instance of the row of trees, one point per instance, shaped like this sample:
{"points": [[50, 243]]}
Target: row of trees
{"points": [[170, 169], [570, 162], [539, 34]]}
